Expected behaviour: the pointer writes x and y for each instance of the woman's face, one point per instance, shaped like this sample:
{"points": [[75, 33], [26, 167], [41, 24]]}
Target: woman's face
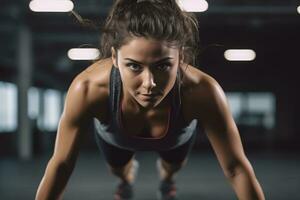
{"points": [[148, 70]]}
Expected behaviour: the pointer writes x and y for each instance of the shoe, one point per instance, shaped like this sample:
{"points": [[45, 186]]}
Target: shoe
{"points": [[167, 189], [124, 189]]}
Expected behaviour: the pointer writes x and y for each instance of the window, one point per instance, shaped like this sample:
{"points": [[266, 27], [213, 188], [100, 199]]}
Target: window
{"points": [[253, 108], [8, 107], [52, 110], [33, 103], [47, 116]]}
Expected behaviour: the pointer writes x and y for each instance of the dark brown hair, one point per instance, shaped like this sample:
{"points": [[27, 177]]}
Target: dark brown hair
{"points": [[156, 19]]}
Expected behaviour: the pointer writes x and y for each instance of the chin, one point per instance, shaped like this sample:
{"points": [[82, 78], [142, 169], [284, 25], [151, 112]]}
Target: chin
{"points": [[148, 105]]}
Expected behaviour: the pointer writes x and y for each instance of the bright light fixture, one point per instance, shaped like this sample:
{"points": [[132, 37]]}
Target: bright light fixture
{"points": [[298, 9], [193, 5], [51, 5], [83, 54], [240, 54]]}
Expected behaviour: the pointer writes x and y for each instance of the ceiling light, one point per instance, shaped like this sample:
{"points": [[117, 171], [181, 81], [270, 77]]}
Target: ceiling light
{"points": [[193, 5], [51, 5], [240, 55], [298, 9], [83, 54]]}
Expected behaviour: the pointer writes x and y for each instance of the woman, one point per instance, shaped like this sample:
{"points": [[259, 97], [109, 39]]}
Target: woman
{"points": [[144, 94]]}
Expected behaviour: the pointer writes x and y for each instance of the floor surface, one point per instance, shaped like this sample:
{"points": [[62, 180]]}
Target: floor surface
{"points": [[201, 179]]}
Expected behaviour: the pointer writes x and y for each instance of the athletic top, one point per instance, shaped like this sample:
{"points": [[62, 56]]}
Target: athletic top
{"points": [[178, 131]]}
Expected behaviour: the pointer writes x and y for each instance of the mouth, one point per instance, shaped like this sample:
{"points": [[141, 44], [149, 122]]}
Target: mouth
{"points": [[149, 96]]}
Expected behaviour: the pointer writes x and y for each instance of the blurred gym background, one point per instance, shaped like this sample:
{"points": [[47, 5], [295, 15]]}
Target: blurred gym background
{"points": [[263, 94]]}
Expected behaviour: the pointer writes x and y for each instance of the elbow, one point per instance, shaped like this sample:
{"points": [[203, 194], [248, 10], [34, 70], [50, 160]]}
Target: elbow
{"points": [[243, 179], [61, 165], [54, 180], [57, 170], [237, 167]]}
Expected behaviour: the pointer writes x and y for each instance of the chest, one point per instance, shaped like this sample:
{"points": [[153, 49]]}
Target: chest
{"points": [[149, 125], [154, 125]]}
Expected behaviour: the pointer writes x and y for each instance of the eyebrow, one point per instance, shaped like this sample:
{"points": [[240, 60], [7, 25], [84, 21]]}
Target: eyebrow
{"points": [[162, 60]]}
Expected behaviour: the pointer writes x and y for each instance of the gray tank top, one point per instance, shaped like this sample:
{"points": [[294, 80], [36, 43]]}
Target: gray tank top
{"points": [[177, 134]]}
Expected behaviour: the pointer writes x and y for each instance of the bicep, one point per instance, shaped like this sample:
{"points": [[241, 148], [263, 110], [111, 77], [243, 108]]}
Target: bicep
{"points": [[68, 140], [72, 125], [227, 146], [222, 131]]}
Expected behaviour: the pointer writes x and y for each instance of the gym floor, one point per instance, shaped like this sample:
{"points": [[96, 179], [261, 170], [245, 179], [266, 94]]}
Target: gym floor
{"points": [[201, 178]]}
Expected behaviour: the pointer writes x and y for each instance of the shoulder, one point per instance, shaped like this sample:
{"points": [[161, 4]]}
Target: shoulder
{"points": [[89, 89], [202, 92], [199, 84]]}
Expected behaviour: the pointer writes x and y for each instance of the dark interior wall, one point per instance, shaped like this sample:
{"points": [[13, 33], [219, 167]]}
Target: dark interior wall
{"points": [[242, 77], [276, 42], [274, 69]]}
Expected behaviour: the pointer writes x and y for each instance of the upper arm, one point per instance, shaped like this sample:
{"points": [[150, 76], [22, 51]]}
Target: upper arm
{"points": [[73, 123], [220, 128]]}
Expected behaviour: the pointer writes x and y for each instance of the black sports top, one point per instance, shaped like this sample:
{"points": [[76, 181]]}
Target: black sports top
{"points": [[177, 133]]}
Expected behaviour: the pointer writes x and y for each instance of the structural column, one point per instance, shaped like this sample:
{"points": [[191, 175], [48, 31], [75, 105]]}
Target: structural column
{"points": [[24, 81]]}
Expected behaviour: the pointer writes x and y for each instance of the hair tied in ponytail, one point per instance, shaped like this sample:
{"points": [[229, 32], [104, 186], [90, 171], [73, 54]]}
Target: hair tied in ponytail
{"points": [[152, 1]]}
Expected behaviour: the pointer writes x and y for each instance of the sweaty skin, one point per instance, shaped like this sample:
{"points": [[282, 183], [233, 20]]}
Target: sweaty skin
{"points": [[202, 99]]}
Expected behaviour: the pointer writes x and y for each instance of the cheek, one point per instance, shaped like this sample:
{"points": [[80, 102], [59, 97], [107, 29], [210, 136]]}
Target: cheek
{"points": [[170, 83], [169, 79], [130, 81]]}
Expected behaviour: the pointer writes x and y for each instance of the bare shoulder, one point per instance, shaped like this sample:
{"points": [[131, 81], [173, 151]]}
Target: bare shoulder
{"points": [[201, 92], [89, 90], [198, 82]]}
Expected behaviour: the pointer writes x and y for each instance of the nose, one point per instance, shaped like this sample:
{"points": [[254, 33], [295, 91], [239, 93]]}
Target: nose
{"points": [[148, 81]]}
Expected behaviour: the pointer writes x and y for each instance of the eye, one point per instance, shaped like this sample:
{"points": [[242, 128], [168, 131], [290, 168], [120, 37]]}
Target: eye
{"points": [[163, 67], [134, 67]]}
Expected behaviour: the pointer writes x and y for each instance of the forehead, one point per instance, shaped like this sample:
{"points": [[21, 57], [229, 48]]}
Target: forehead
{"points": [[150, 48]]}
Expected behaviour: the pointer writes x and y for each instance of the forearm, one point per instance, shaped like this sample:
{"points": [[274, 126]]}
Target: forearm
{"points": [[54, 181], [245, 184]]}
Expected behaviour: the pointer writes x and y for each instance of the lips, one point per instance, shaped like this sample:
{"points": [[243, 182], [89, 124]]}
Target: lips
{"points": [[150, 96]]}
